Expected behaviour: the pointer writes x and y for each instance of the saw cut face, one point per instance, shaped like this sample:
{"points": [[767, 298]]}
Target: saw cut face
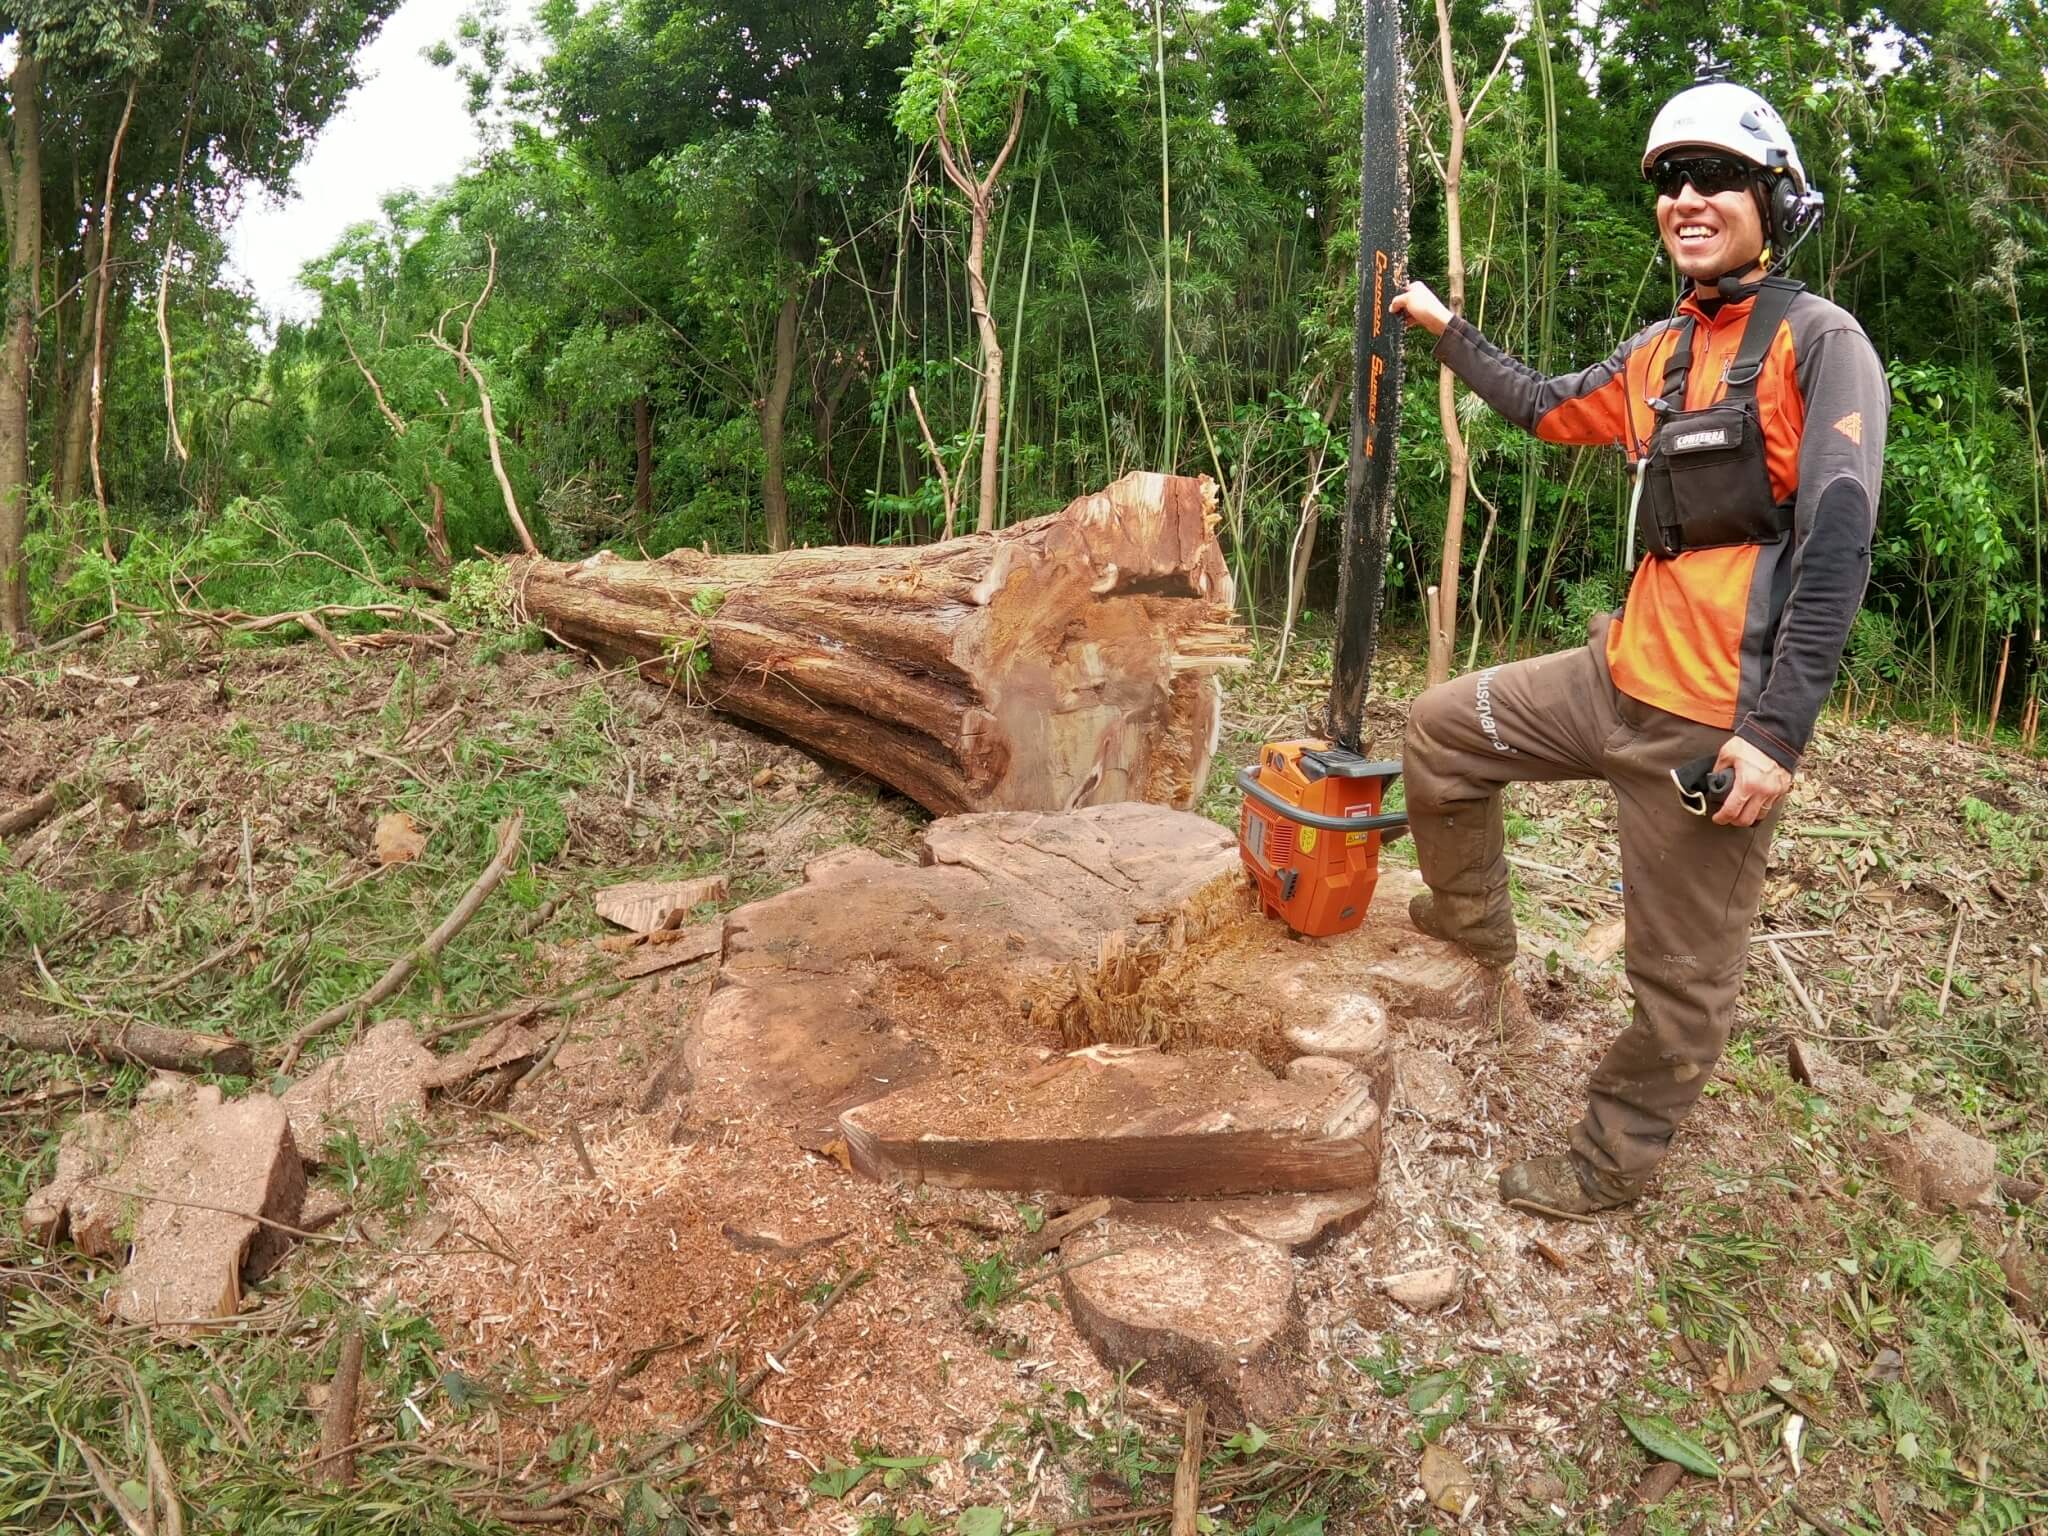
{"points": [[1708, 233]]}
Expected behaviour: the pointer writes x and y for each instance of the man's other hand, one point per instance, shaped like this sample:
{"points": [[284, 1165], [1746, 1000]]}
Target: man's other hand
{"points": [[1422, 307], [1759, 784]]}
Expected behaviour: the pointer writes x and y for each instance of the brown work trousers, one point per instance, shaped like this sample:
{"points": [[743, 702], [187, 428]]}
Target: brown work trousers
{"points": [[1690, 888]]}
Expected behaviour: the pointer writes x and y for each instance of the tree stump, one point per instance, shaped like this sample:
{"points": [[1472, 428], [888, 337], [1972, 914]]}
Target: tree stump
{"points": [[1066, 661]]}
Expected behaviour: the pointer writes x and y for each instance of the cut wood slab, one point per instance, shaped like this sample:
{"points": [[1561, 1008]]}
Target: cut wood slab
{"points": [[1206, 1313], [1125, 1121], [1299, 1224], [373, 1087], [1064, 661], [648, 906], [673, 947], [191, 1188], [499, 1046], [1122, 923], [397, 839]]}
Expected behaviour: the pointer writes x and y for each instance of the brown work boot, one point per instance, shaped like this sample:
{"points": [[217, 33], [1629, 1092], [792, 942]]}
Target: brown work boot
{"points": [[1551, 1186], [1482, 926]]}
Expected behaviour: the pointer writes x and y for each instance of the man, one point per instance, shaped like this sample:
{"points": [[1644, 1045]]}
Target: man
{"points": [[1754, 418]]}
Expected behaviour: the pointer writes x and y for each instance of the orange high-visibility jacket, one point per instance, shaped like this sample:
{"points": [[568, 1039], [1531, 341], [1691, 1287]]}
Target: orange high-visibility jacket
{"points": [[1747, 637]]}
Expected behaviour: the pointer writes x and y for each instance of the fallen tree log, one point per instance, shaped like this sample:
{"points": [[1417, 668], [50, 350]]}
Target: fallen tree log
{"points": [[170, 1050], [1066, 661]]}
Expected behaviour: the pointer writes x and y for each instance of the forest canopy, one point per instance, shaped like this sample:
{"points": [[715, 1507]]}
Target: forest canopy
{"points": [[832, 271]]}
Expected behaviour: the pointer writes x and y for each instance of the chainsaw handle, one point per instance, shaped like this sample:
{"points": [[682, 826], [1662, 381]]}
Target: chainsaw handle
{"points": [[1248, 781], [1702, 788]]}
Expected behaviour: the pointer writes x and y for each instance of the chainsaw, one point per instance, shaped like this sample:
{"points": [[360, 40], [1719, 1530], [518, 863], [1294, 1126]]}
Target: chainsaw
{"points": [[1313, 818]]}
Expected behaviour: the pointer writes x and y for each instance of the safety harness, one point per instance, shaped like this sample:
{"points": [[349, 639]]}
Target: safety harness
{"points": [[1706, 482]]}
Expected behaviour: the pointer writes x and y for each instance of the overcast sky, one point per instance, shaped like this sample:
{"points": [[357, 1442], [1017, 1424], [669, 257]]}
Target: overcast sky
{"points": [[404, 127]]}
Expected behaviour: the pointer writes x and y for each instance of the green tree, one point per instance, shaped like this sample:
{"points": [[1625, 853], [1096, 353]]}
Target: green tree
{"points": [[975, 69]]}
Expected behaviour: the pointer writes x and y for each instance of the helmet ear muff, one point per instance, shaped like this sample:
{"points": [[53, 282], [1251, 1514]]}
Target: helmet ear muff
{"points": [[1784, 210]]}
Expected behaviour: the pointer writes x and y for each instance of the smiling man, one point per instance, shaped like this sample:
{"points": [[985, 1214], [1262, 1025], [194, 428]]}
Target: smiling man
{"points": [[1754, 421]]}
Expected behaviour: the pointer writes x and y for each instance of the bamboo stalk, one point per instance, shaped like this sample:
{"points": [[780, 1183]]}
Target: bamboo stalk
{"points": [[1998, 690], [1088, 317], [1166, 458], [1016, 358]]}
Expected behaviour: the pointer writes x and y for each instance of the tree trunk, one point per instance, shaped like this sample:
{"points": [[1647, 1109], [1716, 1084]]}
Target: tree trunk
{"points": [[1070, 660], [643, 458], [74, 402], [22, 168], [774, 490], [991, 362]]}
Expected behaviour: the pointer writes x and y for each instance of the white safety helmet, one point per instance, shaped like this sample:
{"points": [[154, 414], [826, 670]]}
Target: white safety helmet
{"points": [[1719, 114]]}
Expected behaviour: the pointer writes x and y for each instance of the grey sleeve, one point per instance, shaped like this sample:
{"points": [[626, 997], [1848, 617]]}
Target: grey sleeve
{"points": [[1841, 461], [1590, 406]]}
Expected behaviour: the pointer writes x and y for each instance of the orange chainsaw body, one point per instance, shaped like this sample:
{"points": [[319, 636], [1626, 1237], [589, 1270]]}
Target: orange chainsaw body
{"points": [[1310, 831]]}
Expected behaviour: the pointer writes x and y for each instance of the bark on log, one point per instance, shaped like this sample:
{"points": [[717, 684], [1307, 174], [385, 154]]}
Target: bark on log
{"points": [[1066, 661], [170, 1050]]}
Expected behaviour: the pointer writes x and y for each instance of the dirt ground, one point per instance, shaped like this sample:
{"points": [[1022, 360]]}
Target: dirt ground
{"points": [[584, 1317]]}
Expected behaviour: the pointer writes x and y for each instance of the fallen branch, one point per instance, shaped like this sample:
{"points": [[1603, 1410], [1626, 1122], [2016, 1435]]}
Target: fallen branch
{"points": [[27, 817], [241, 623], [1057, 1231], [110, 1489], [325, 636], [154, 1198], [347, 879], [337, 1460], [547, 1057], [1948, 973], [169, 1050], [1187, 1478], [527, 1009], [401, 972], [163, 1487], [1792, 980]]}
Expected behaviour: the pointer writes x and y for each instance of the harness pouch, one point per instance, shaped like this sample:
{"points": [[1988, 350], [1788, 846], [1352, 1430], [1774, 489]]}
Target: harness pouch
{"points": [[1707, 484], [1706, 481]]}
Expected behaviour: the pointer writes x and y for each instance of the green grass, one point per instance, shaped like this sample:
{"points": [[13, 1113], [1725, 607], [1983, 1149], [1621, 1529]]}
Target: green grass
{"points": [[1749, 1265], [301, 761]]}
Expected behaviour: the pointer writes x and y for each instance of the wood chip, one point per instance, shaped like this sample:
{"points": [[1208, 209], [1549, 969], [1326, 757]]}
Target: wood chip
{"points": [[1425, 1290], [398, 839]]}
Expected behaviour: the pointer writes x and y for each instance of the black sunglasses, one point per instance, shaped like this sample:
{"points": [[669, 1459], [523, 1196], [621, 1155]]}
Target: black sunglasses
{"points": [[1708, 174]]}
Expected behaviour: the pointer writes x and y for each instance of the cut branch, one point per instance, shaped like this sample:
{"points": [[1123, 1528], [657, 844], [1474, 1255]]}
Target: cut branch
{"points": [[337, 1461], [376, 389], [401, 972], [28, 817], [169, 1050], [483, 395], [938, 462]]}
